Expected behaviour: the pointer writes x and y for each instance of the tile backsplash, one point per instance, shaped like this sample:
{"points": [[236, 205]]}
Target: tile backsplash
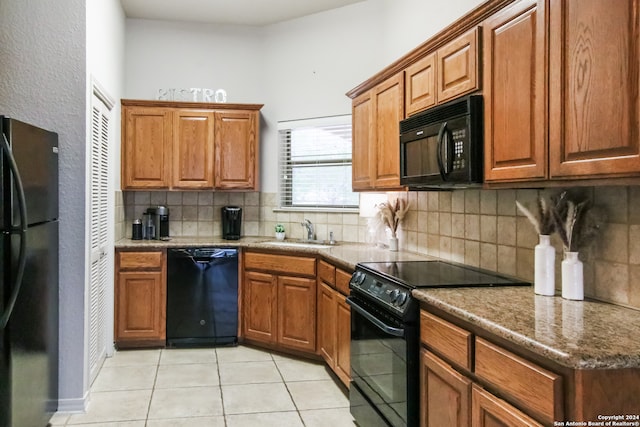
{"points": [[484, 228], [198, 214], [477, 227]]}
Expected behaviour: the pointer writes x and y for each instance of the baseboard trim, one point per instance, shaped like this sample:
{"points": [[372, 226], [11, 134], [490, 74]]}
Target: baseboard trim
{"points": [[73, 406]]}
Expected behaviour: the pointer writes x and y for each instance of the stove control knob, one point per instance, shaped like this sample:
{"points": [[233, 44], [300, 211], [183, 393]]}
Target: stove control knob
{"points": [[357, 278], [402, 298]]}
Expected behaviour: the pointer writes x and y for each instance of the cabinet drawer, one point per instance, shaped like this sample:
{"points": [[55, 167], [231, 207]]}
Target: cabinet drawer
{"points": [[529, 385], [447, 339], [303, 266], [487, 409], [342, 281], [140, 260], [327, 273]]}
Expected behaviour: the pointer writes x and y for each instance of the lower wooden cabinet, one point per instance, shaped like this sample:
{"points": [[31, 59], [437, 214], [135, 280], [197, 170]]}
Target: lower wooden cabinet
{"points": [[342, 367], [334, 331], [445, 395], [279, 300], [297, 313], [140, 299], [455, 367], [449, 398], [334, 320], [327, 323], [260, 301], [490, 411]]}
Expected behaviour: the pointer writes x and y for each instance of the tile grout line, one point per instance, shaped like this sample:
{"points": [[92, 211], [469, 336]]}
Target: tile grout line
{"points": [[224, 412], [287, 388], [153, 388]]}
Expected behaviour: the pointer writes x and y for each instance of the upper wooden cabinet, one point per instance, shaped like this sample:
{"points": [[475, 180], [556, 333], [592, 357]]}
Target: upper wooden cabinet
{"points": [[593, 97], [236, 158], [361, 166], [376, 117], [188, 145], [457, 66], [515, 93], [146, 143], [420, 85], [192, 149], [445, 74], [580, 58]]}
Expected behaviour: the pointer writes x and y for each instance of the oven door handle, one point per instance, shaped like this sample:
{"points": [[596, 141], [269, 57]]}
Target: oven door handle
{"points": [[396, 332]]}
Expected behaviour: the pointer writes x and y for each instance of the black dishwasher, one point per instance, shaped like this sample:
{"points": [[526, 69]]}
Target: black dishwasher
{"points": [[202, 297]]}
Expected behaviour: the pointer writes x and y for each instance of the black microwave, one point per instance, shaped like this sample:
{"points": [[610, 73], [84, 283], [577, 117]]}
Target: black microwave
{"points": [[441, 147]]}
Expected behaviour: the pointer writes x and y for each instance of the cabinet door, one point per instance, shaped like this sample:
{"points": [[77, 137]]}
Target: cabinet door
{"points": [[388, 110], [259, 308], [361, 143], [327, 324], [457, 65], [515, 88], [236, 136], [594, 102], [343, 339], [445, 395], [490, 411], [420, 85], [297, 313], [192, 149], [146, 147], [141, 307]]}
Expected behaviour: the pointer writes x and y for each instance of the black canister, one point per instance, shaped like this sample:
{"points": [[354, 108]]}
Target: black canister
{"points": [[136, 230], [231, 222]]}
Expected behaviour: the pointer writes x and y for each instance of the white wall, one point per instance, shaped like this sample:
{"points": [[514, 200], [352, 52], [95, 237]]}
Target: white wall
{"points": [[162, 54], [409, 23], [43, 81], [310, 64]]}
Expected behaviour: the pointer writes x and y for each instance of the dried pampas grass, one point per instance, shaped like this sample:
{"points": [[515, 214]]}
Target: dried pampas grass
{"points": [[577, 223], [391, 214], [543, 220]]}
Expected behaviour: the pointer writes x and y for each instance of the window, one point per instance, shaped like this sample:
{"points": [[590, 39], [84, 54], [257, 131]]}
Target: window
{"points": [[315, 164]]}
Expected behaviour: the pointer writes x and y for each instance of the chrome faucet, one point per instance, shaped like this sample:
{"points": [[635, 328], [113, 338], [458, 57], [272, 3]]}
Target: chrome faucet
{"points": [[310, 232]]}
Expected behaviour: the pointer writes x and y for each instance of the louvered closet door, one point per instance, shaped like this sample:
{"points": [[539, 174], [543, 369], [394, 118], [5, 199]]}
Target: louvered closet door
{"points": [[99, 236]]}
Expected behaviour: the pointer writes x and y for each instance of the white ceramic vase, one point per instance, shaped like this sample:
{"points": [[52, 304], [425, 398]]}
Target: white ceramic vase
{"points": [[280, 235], [544, 281], [572, 277], [393, 244]]}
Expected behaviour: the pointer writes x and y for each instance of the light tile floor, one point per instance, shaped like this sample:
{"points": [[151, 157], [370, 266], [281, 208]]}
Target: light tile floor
{"points": [[217, 387]]}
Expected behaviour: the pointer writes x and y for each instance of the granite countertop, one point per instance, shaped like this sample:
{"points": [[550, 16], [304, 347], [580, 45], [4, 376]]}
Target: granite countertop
{"points": [[344, 254], [577, 334]]}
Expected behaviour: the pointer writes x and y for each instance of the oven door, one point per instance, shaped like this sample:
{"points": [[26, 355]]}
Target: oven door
{"points": [[384, 391]]}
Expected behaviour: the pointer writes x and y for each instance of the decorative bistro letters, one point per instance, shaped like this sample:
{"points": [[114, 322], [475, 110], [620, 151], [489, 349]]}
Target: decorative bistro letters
{"points": [[194, 94]]}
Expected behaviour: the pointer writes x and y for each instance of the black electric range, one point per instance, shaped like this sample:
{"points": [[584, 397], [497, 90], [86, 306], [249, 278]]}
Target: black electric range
{"points": [[384, 389], [389, 284]]}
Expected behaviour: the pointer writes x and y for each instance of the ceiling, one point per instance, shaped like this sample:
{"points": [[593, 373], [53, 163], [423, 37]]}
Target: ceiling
{"points": [[229, 12]]}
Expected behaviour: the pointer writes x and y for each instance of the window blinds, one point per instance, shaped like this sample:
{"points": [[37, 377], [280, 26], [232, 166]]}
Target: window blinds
{"points": [[315, 164]]}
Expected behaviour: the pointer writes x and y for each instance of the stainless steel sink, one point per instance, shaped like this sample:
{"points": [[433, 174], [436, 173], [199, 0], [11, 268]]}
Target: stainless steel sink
{"points": [[293, 244]]}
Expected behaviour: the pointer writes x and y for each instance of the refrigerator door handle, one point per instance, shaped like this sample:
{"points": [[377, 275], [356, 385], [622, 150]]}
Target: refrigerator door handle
{"points": [[21, 231]]}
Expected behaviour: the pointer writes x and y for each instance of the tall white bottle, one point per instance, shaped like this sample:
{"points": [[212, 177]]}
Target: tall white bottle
{"points": [[544, 281]]}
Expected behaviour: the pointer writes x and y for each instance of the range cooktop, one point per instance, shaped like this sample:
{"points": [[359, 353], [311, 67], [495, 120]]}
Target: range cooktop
{"points": [[437, 274]]}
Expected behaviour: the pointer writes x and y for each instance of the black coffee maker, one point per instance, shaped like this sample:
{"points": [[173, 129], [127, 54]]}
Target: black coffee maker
{"points": [[156, 223], [231, 222]]}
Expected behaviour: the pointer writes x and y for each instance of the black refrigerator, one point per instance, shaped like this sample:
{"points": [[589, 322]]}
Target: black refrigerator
{"points": [[28, 274]]}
